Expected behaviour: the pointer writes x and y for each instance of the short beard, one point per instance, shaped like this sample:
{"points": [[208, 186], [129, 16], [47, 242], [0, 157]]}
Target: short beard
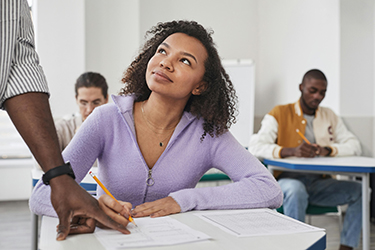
{"points": [[307, 106]]}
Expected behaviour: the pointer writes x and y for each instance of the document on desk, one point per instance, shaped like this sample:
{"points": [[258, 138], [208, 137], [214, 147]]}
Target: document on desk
{"points": [[150, 232], [256, 222]]}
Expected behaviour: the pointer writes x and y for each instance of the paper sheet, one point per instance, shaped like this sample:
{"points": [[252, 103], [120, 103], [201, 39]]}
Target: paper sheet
{"points": [[150, 232], [255, 222]]}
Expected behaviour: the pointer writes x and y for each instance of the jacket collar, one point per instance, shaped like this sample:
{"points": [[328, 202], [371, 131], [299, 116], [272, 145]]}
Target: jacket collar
{"points": [[298, 109]]}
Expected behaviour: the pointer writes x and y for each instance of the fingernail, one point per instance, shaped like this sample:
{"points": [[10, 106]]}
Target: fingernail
{"points": [[59, 236]]}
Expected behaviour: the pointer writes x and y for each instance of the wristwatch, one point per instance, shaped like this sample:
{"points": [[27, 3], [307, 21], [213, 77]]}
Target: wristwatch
{"points": [[57, 171], [329, 149]]}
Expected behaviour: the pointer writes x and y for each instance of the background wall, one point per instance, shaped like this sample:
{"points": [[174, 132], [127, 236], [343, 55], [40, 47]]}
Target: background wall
{"points": [[295, 36], [112, 38], [284, 38], [60, 42], [357, 70], [234, 22]]}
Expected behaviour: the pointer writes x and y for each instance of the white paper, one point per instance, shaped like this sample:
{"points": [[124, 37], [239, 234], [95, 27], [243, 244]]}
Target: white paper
{"points": [[150, 232], [256, 222]]}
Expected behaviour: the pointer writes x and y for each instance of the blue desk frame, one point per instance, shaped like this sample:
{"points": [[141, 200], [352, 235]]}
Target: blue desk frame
{"points": [[355, 166], [321, 244]]}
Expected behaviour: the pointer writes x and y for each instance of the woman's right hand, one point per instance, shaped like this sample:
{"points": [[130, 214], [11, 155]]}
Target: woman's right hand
{"points": [[118, 211]]}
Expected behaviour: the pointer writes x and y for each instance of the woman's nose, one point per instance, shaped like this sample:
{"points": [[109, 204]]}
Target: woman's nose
{"points": [[167, 64]]}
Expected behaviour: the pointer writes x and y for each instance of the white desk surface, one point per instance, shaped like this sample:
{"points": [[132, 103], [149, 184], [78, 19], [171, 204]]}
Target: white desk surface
{"points": [[220, 239], [356, 164]]}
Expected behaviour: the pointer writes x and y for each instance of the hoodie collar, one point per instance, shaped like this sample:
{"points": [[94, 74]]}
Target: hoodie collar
{"points": [[125, 105]]}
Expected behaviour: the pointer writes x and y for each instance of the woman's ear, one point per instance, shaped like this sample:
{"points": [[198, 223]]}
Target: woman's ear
{"points": [[200, 89]]}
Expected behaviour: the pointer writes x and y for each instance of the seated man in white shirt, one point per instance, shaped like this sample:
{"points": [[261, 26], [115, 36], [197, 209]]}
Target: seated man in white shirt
{"points": [[328, 136], [91, 91]]}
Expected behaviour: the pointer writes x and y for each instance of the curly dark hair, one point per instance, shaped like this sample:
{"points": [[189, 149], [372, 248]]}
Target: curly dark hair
{"points": [[216, 105]]}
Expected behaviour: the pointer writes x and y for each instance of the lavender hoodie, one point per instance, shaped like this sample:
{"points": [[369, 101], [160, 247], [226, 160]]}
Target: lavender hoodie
{"points": [[108, 135]]}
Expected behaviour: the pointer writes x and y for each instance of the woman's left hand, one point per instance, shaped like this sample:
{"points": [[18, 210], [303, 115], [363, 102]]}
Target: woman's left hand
{"points": [[162, 207]]}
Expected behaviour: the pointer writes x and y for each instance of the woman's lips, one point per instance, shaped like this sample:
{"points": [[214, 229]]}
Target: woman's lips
{"points": [[161, 75]]}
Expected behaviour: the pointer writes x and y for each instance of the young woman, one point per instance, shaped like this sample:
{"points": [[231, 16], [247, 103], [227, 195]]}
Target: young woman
{"points": [[168, 126]]}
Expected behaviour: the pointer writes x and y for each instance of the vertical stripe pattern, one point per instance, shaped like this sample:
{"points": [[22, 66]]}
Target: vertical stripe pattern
{"points": [[20, 71]]}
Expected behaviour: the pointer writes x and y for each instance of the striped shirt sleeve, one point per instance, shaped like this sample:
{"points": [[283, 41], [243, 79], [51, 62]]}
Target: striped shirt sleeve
{"points": [[20, 71]]}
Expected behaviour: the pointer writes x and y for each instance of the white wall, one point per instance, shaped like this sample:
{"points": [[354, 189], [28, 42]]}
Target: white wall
{"points": [[75, 36], [234, 22], [60, 42], [356, 71], [357, 58], [112, 38], [294, 37]]}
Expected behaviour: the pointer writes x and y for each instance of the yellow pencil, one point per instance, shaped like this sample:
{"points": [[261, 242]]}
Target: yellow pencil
{"points": [[303, 137], [107, 192]]}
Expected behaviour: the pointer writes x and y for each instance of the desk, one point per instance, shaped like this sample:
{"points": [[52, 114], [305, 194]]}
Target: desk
{"points": [[220, 239], [354, 166]]}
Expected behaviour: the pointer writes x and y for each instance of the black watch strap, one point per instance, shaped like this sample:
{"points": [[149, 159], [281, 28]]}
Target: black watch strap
{"points": [[57, 171], [329, 149]]}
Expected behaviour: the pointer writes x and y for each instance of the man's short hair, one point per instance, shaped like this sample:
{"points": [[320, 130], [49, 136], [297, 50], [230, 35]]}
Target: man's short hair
{"points": [[314, 74], [92, 79]]}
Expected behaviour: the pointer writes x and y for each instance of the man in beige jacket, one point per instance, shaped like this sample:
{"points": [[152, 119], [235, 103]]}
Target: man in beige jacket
{"points": [[328, 137]]}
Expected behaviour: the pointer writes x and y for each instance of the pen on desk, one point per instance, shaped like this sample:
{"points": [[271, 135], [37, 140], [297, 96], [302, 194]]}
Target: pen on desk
{"points": [[303, 137], [107, 192]]}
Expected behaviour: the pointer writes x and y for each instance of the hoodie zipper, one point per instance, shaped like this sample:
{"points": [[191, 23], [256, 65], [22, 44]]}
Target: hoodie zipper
{"points": [[150, 181]]}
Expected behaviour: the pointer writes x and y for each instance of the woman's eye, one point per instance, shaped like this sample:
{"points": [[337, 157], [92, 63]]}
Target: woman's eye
{"points": [[186, 61], [162, 51]]}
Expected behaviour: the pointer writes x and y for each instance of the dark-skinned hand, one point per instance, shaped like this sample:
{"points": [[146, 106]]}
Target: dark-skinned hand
{"points": [[74, 205]]}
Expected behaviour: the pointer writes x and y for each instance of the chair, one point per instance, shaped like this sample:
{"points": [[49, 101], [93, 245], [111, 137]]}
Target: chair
{"points": [[319, 210], [213, 177]]}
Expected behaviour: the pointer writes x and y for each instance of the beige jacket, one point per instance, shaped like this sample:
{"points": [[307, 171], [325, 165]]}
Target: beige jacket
{"points": [[66, 129]]}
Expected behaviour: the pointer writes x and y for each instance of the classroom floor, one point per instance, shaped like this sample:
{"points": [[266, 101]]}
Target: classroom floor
{"points": [[15, 227]]}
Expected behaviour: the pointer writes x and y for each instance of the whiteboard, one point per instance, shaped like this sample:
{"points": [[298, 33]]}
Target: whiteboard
{"points": [[242, 75]]}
